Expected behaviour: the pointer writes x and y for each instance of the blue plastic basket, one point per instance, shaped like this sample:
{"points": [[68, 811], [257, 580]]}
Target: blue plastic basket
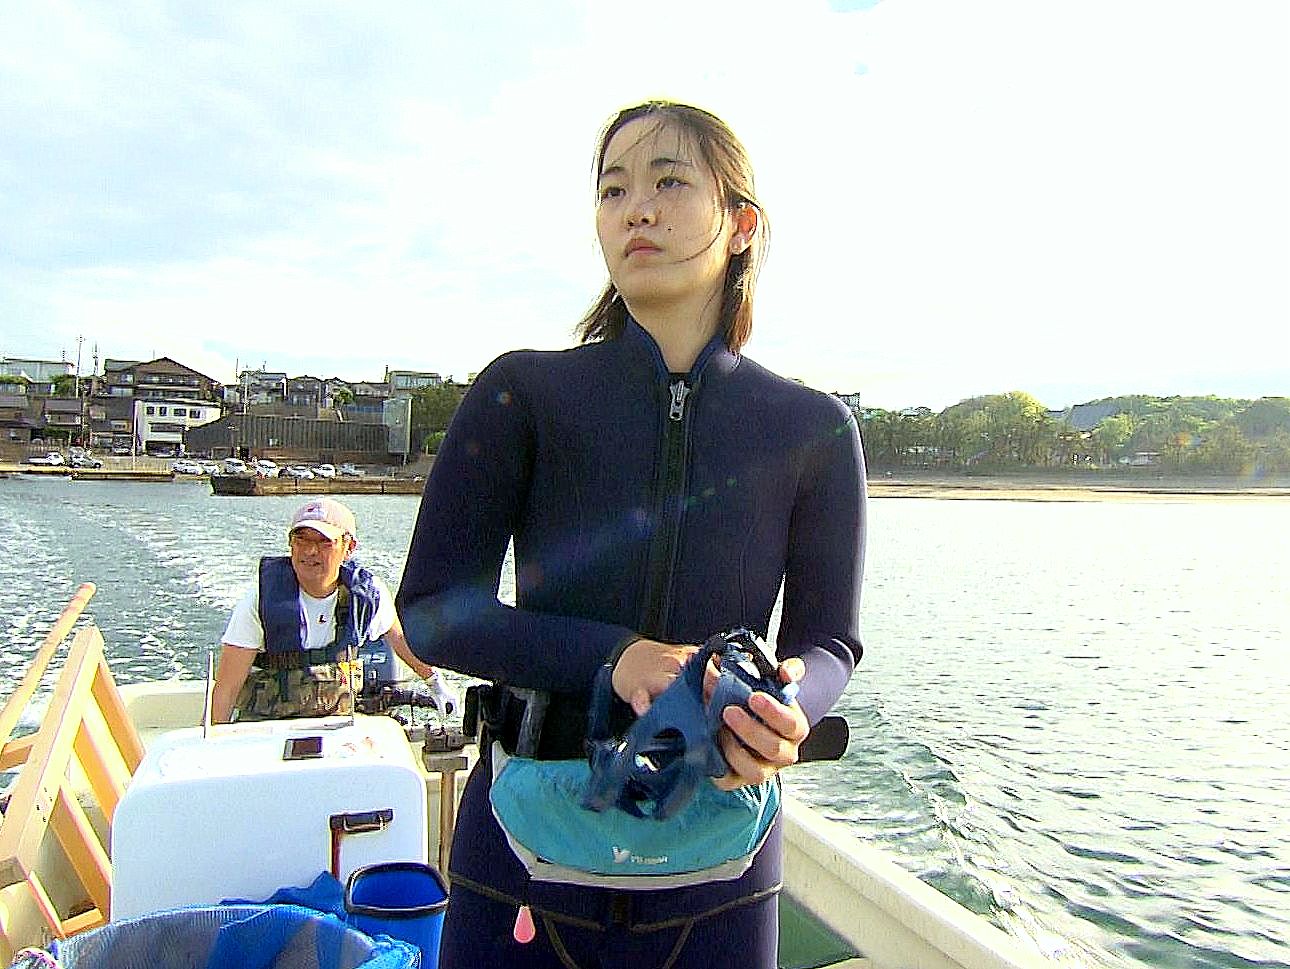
{"points": [[226, 937]]}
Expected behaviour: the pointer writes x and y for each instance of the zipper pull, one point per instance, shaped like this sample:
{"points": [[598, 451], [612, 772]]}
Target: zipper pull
{"points": [[680, 391], [524, 930]]}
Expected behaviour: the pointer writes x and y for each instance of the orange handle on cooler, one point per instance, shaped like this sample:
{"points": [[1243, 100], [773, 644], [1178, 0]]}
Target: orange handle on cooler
{"points": [[354, 823]]}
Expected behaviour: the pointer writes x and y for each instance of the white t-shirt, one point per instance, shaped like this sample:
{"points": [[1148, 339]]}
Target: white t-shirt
{"points": [[244, 627]]}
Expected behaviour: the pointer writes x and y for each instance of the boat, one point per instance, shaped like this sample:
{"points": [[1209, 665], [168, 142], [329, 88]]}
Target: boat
{"points": [[121, 474], [247, 485], [68, 837]]}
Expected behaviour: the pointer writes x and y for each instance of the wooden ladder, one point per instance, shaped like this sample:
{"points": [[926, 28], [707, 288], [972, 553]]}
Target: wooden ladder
{"points": [[85, 740]]}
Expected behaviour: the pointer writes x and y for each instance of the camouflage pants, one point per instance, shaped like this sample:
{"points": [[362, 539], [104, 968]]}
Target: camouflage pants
{"points": [[310, 691]]}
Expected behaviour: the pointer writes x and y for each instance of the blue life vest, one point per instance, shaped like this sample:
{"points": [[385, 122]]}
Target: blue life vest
{"points": [[284, 621]]}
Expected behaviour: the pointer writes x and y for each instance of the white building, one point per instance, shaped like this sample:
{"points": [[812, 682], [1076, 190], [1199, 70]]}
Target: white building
{"points": [[161, 424]]}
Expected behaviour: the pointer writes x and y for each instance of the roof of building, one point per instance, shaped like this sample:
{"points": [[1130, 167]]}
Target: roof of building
{"points": [[167, 363], [1085, 417]]}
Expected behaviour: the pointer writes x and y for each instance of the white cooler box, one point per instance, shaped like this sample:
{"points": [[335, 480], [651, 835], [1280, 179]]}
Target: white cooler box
{"points": [[229, 817]]}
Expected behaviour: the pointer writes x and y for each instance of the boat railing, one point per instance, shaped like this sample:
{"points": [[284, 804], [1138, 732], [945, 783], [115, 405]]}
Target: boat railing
{"points": [[79, 760], [17, 703]]}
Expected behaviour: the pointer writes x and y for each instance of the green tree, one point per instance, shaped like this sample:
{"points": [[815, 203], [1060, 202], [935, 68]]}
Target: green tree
{"points": [[899, 438], [1225, 450], [64, 385], [1264, 418], [892, 437], [1012, 429], [962, 432], [1111, 435], [1273, 453], [876, 436], [918, 436], [1070, 447], [432, 410]]}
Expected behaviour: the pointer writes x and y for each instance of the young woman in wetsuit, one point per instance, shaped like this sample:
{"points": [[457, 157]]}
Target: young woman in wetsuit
{"points": [[658, 487]]}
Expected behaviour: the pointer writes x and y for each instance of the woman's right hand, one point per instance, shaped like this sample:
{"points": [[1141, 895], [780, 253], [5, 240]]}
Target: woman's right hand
{"points": [[646, 668]]}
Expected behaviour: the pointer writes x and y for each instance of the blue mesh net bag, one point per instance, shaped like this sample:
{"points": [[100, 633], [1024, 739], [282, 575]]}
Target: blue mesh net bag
{"points": [[225, 937]]}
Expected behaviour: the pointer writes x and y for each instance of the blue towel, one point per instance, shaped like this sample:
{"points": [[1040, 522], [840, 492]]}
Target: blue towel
{"points": [[257, 941], [326, 894], [290, 932]]}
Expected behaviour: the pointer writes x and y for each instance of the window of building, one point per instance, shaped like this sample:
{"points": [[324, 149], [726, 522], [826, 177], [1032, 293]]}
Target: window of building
{"points": [[149, 410], [161, 411], [181, 412]]}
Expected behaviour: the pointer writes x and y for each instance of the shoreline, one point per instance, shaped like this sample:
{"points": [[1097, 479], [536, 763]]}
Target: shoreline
{"points": [[1078, 487], [900, 484]]}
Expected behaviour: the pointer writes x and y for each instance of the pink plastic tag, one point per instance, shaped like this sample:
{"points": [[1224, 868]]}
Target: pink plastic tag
{"points": [[524, 930]]}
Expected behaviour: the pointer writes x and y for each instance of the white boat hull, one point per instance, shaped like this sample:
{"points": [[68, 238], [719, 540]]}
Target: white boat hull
{"points": [[876, 908]]}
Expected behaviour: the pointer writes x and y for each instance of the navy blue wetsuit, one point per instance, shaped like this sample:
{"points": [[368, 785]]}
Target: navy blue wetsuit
{"points": [[640, 503]]}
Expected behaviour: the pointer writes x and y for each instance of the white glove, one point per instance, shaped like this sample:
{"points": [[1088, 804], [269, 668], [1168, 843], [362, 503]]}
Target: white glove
{"points": [[446, 699]]}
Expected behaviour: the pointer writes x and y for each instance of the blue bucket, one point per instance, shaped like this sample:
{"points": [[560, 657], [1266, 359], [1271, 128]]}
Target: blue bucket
{"points": [[402, 899]]}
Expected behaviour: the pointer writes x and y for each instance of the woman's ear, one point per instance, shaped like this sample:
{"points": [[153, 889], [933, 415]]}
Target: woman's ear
{"points": [[746, 220]]}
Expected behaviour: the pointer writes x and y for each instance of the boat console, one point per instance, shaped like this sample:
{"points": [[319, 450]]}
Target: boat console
{"points": [[253, 807]]}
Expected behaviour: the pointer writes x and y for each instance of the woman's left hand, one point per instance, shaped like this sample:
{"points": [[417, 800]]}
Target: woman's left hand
{"points": [[758, 747]]}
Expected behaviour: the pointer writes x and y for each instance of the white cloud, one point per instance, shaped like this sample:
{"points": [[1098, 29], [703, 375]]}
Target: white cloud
{"points": [[1069, 200]]}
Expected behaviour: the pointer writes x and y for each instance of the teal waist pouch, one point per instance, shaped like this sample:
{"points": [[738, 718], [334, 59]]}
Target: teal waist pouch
{"points": [[641, 812], [714, 837]]}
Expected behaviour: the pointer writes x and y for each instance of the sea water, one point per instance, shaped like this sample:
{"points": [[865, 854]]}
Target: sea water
{"points": [[1070, 716]]}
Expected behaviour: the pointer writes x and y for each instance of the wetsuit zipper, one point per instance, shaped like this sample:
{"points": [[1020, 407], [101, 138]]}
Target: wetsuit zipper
{"points": [[669, 509]]}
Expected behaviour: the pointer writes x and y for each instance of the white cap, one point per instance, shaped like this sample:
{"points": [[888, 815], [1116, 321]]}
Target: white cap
{"points": [[327, 516]]}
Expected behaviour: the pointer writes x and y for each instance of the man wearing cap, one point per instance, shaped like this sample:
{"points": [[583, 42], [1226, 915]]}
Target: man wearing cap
{"points": [[288, 646]]}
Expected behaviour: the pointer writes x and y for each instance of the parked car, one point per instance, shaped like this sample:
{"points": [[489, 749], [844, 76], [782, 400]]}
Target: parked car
{"points": [[184, 466], [350, 471], [50, 459], [84, 460], [235, 466], [298, 471], [266, 468], [210, 467], [120, 450], [325, 471]]}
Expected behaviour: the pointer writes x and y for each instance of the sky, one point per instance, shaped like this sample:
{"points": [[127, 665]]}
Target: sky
{"points": [[1071, 199]]}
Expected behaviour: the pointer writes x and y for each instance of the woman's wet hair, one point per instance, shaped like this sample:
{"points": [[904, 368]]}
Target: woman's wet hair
{"points": [[728, 162]]}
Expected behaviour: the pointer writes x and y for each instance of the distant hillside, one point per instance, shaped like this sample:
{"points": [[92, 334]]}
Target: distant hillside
{"points": [[1085, 417], [1211, 435]]}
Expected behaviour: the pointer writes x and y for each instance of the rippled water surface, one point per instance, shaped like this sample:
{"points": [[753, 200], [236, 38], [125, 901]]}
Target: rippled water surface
{"points": [[1070, 716]]}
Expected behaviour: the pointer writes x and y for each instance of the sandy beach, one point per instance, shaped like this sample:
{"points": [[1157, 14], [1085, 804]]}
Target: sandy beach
{"points": [[1092, 486], [1058, 486]]}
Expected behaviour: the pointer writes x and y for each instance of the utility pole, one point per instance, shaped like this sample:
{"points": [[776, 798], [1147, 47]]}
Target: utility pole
{"points": [[80, 401]]}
